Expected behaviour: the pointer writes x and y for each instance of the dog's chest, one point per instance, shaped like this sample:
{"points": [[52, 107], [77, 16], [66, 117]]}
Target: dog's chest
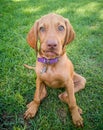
{"points": [[53, 77]]}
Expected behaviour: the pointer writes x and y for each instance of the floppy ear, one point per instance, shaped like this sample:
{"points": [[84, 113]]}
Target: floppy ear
{"points": [[32, 36], [70, 34]]}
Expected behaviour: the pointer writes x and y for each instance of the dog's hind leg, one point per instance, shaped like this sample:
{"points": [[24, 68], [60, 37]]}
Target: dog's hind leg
{"points": [[64, 98], [79, 82]]}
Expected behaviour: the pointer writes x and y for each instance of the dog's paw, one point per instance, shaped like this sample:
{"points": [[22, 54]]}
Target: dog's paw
{"points": [[77, 119], [80, 111], [31, 111]]}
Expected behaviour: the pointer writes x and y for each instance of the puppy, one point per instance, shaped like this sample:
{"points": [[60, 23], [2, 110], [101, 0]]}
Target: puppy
{"points": [[53, 68]]}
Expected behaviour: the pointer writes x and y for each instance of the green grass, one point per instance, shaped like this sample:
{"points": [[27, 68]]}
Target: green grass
{"points": [[17, 84]]}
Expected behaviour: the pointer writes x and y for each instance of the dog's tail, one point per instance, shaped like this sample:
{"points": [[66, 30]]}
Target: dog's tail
{"points": [[29, 67]]}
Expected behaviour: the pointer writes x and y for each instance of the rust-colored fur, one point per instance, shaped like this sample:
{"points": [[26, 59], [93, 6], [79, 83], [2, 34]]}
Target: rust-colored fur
{"points": [[54, 32]]}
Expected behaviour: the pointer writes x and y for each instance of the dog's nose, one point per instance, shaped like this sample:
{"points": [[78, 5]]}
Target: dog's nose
{"points": [[52, 43]]}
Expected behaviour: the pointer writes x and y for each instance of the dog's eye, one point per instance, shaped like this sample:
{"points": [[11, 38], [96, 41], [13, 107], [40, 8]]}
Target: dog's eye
{"points": [[42, 29], [60, 28]]}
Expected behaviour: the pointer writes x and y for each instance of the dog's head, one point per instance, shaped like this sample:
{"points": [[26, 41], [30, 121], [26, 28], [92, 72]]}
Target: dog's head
{"points": [[53, 32]]}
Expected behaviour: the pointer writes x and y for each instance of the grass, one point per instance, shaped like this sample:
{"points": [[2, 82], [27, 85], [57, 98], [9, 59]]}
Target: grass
{"points": [[17, 84]]}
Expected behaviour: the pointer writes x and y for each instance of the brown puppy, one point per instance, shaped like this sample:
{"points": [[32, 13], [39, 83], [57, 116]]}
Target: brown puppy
{"points": [[53, 68]]}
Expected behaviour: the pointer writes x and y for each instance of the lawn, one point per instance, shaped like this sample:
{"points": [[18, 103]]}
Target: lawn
{"points": [[17, 84]]}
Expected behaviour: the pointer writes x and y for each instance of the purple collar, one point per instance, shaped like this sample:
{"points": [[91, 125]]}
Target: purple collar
{"points": [[48, 61]]}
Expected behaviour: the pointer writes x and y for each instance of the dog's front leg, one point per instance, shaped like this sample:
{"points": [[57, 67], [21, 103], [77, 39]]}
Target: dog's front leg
{"points": [[76, 117], [33, 106]]}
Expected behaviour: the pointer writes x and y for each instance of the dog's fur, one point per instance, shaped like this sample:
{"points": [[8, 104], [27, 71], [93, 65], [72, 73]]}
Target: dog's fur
{"points": [[54, 32]]}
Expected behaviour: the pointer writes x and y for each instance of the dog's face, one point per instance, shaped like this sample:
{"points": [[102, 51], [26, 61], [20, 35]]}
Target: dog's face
{"points": [[53, 32]]}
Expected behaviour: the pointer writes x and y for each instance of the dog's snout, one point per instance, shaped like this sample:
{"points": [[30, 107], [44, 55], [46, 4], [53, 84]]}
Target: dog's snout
{"points": [[52, 43]]}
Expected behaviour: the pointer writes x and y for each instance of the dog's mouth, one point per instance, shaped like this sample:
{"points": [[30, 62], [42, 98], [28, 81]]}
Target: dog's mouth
{"points": [[50, 54]]}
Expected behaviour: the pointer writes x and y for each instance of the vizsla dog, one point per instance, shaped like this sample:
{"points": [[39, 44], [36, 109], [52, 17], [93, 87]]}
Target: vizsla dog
{"points": [[53, 68]]}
